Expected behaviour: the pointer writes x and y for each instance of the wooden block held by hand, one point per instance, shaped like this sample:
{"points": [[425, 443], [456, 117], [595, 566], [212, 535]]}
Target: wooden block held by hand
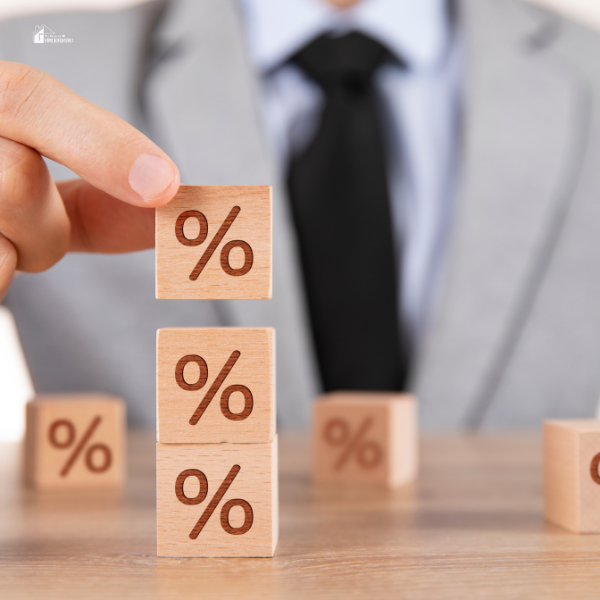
{"points": [[216, 385], [214, 242], [75, 441], [571, 477], [217, 499], [365, 438]]}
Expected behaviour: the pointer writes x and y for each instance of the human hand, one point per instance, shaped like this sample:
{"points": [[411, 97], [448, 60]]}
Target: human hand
{"points": [[123, 176]]}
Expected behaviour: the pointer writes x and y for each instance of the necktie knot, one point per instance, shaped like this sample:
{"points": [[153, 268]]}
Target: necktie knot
{"points": [[346, 62]]}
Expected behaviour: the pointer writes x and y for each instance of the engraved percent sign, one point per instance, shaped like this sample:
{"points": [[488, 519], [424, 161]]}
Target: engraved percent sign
{"points": [[594, 468], [70, 440], [214, 388], [227, 248], [367, 453], [212, 505]]}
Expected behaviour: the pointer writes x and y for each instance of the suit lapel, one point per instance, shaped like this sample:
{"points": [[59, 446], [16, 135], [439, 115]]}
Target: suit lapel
{"points": [[518, 137], [201, 104]]}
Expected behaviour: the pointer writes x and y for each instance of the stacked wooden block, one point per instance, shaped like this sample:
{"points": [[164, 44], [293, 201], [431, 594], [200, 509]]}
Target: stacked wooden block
{"points": [[217, 492]]}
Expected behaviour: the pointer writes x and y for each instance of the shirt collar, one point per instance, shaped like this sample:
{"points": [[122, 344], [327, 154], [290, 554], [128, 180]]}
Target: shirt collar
{"points": [[415, 30]]}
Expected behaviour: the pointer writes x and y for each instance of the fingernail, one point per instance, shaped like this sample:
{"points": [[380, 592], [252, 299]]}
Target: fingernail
{"points": [[150, 176]]}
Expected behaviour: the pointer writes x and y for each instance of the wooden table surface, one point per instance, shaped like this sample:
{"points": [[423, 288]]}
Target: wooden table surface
{"points": [[472, 527]]}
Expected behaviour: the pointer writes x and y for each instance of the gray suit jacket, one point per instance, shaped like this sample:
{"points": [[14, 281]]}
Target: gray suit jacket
{"points": [[516, 333]]}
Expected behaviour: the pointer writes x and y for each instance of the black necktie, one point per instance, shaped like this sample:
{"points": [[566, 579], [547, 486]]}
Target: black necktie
{"points": [[340, 205]]}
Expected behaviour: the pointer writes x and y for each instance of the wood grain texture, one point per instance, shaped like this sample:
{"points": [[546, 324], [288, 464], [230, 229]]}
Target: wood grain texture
{"points": [[471, 527], [230, 504], [75, 441], [215, 242], [216, 385], [364, 438], [571, 478]]}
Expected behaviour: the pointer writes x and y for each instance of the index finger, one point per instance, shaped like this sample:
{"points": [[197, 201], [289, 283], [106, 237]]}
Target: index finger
{"points": [[40, 112]]}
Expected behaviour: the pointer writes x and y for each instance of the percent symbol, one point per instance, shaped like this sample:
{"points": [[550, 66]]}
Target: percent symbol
{"points": [[214, 388], [368, 453], [594, 468], [212, 505], [70, 440], [210, 250]]}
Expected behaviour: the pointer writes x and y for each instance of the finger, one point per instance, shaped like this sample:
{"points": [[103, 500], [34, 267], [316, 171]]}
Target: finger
{"points": [[101, 223], [32, 214], [38, 111], [8, 264]]}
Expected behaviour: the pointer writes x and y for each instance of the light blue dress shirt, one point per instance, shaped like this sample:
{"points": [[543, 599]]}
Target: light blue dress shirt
{"points": [[419, 105]]}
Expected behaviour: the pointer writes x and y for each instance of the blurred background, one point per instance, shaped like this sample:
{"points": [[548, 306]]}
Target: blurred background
{"points": [[586, 11], [15, 383]]}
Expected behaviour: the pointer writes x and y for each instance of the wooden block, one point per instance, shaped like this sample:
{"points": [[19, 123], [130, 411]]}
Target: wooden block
{"points": [[571, 477], [217, 499], [365, 438], [75, 441], [214, 242], [216, 385]]}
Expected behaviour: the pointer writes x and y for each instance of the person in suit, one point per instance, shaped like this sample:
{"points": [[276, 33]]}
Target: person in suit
{"points": [[467, 129]]}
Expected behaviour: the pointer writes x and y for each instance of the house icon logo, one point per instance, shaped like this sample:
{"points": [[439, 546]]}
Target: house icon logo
{"points": [[40, 32]]}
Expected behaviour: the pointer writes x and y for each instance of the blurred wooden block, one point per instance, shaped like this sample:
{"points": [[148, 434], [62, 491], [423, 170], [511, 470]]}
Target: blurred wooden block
{"points": [[216, 385], [571, 477], [365, 438], [75, 441], [214, 242], [217, 499]]}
